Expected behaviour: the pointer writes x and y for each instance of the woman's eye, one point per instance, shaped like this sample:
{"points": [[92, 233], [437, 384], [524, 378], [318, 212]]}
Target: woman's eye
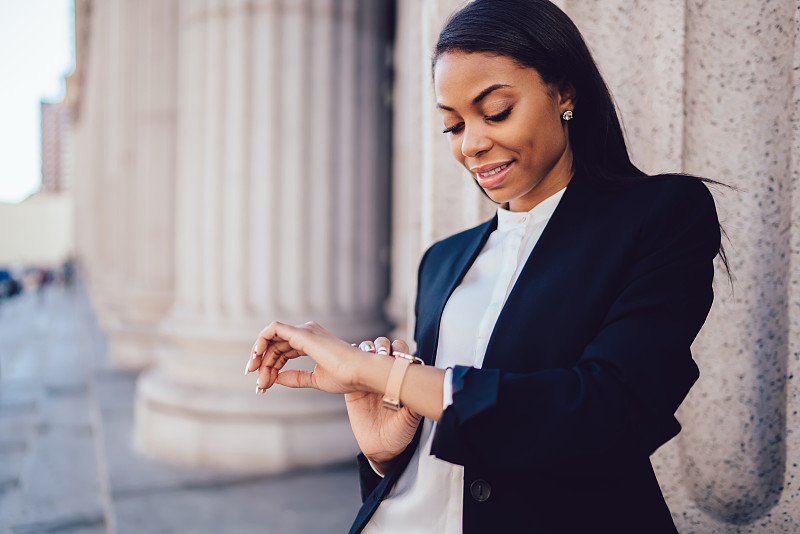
{"points": [[503, 115]]}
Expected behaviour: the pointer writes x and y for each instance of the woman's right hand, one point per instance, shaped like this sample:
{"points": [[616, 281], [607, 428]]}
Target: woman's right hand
{"points": [[381, 434]]}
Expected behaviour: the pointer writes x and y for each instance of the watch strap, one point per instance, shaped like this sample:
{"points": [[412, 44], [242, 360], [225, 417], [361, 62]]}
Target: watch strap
{"points": [[391, 400]]}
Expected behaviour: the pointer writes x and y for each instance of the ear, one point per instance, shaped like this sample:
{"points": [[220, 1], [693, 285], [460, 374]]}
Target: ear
{"points": [[565, 93]]}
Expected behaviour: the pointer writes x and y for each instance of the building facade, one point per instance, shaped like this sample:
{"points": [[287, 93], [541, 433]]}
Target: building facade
{"points": [[56, 147], [239, 161]]}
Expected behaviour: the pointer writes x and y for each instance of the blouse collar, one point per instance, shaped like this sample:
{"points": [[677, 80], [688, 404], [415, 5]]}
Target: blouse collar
{"points": [[508, 220]]}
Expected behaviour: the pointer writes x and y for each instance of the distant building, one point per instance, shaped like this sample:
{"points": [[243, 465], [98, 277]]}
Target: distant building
{"points": [[40, 229], [56, 148]]}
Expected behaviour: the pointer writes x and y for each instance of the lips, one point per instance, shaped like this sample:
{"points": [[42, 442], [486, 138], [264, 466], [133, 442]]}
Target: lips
{"points": [[492, 175]]}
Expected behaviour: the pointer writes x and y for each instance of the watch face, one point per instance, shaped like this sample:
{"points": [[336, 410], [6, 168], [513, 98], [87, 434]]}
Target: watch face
{"points": [[409, 357]]}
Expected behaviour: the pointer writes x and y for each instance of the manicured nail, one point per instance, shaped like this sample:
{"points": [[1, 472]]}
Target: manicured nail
{"points": [[246, 369], [383, 350], [258, 390]]}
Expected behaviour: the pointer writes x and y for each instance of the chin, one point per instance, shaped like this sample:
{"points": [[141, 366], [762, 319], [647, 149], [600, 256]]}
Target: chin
{"points": [[498, 198]]}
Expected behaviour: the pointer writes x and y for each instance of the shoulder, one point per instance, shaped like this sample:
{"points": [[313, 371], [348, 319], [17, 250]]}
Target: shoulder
{"points": [[672, 200], [670, 209], [659, 190], [677, 198]]}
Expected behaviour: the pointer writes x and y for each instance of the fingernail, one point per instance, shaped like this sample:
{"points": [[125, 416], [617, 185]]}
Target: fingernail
{"points": [[258, 390], [246, 367], [383, 350]]}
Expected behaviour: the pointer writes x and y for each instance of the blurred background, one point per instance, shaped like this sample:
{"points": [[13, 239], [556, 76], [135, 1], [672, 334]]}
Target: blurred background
{"points": [[174, 174]]}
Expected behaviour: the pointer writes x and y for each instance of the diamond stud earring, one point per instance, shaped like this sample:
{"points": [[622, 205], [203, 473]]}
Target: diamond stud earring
{"points": [[567, 115]]}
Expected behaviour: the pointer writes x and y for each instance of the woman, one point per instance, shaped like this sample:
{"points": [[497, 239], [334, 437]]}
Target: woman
{"points": [[560, 329]]}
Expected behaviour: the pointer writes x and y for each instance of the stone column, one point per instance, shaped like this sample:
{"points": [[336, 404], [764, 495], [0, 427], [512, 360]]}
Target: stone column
{"points": [[90, 143], [432, 196], [113, 162], [148, 217], [83, 90], [281, 213], [736, 458], [646, 80]]}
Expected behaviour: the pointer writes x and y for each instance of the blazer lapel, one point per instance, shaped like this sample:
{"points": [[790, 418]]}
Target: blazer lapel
{"points": [[463, 253], [553, 248]]}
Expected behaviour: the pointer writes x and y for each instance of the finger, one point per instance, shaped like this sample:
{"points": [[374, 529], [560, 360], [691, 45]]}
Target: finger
{"points": [[367, 346], [268, 373], [254, 360], [266, 379], [296, 379], [400, 346], [275, 331], [383, 345], [254, 363], [276, 351], [279, 364], [257, 354]]}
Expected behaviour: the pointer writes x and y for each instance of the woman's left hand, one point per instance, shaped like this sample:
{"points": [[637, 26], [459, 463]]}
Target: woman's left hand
{"points": [[337, 360]]}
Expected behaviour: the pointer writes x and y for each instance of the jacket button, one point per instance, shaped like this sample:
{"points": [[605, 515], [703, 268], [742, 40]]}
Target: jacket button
{"points": [[480, 490]]}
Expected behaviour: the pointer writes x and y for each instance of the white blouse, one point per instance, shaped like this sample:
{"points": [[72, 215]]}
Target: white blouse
{"points": [[428, 495]]}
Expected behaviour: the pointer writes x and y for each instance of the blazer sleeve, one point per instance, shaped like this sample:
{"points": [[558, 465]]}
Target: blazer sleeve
{"points": [[620, 397], [368, 478]]}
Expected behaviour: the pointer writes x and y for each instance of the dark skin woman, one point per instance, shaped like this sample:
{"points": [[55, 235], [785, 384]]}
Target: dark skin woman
{"points": [[590, 285]]}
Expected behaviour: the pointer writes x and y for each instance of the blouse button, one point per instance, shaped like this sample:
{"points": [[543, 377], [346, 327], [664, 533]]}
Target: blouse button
{"points": [[480, 490]]}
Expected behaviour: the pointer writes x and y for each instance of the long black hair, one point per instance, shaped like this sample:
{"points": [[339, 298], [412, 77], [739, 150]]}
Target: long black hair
{"points": [[537, 34]]}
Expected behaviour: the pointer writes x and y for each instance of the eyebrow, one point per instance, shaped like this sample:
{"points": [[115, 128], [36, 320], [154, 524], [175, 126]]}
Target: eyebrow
{"points": [[483, 94]]}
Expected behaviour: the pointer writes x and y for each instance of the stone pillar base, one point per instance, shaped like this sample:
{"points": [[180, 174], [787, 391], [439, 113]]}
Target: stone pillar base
{"points": [[237, 430], [132, 349], [134, 337]]}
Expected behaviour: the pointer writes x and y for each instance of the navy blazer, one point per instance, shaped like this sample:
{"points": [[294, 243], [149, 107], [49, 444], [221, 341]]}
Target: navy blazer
{"points": [[586, 365]]}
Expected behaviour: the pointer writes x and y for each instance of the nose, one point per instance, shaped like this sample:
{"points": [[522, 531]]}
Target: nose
{"points": [[474, 141]]}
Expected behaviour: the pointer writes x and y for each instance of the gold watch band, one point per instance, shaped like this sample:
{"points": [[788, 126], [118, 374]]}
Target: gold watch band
{"points": [[391, 400]]}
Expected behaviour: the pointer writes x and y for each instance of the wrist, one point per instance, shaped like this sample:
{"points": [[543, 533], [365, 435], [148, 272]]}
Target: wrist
{"points": [[372, 371], [381, 464]]}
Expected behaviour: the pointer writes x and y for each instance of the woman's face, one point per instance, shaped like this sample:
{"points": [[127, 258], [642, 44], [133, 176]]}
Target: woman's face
{"points": [[504, 125]]}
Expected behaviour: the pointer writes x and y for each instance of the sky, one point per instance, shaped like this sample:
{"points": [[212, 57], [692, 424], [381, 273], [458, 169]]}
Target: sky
{"points": [[36, 52]]}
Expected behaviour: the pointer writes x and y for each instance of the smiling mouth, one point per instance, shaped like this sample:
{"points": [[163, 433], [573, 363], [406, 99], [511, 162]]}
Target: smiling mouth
{"points": [[492, 177], [493, 171]]}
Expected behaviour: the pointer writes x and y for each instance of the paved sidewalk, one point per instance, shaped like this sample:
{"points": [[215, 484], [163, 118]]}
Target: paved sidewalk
{"points": [[67, 464]]}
